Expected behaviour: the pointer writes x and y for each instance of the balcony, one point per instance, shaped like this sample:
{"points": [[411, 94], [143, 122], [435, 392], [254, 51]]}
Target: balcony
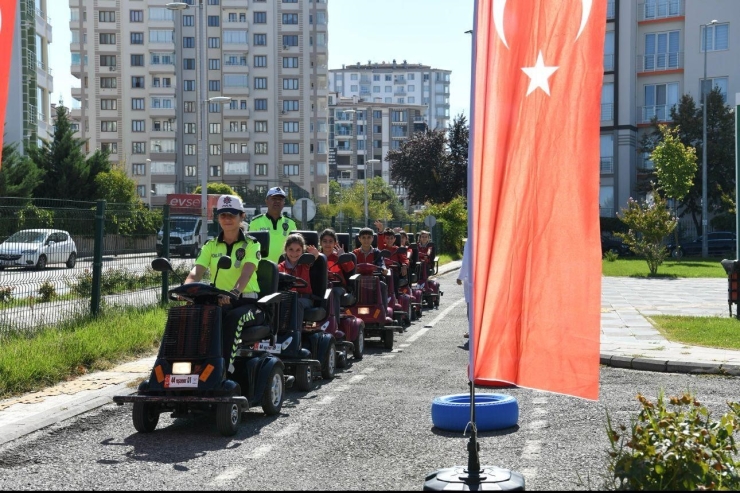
{"points": [[607, 165], [236, 134], [659, 62], [651, 10], [228, 111], [400, 80], [661, 112]]}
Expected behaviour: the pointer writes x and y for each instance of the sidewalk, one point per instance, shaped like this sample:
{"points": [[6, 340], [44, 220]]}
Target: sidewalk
{"points": [[628, 340]]}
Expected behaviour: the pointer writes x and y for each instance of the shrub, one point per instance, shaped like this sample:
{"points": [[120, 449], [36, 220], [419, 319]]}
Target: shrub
{"points": [[679, 449], [649, 223], [611, 256], [6, 294], [47, 292]]}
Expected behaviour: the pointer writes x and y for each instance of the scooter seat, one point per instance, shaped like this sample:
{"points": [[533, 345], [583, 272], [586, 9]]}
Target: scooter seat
{"points": [[316, 314], [255, 333]]}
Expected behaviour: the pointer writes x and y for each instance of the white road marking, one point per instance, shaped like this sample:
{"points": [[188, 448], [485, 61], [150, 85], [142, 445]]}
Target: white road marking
{"points": [[356, 378], [369, 369], [288, 430], [532, 449], [538, 425], [326, 400]]}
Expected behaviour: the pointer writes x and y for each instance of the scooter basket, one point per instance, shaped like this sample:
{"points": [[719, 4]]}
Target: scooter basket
{"points": [[367, 292], [189, 332]]}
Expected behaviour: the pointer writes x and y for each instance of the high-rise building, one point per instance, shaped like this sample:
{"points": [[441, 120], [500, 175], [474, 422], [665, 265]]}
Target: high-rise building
{"points": [[140, 95], [28, 117], [397, 83], [654, 53]]}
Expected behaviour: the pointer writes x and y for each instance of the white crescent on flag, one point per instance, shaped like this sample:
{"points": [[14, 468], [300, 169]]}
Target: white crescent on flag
{"points": [[498, 18]]}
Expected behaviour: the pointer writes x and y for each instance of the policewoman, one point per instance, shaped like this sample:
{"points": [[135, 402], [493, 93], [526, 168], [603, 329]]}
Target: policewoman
{"points": [[274, 222], [240, 279]]}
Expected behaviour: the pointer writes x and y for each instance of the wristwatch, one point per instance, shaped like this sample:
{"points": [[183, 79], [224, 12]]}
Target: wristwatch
{"points": [[236, 292]]}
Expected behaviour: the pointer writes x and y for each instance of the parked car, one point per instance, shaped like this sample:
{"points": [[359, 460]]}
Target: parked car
{"points": [[718, 243], [37, 248], [610, 243]]}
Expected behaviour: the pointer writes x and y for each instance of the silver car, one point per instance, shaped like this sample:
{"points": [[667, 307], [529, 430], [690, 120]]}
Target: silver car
{"points": [[37, 248]]}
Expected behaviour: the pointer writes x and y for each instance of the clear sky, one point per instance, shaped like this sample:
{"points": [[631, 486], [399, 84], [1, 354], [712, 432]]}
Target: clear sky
{"points": [[431, 32]]}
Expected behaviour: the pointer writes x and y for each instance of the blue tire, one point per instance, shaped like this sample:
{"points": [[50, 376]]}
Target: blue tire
{"points": [[492, 412]]}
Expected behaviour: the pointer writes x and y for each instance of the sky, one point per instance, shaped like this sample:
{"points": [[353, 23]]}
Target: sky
{"points": [[430, 32]]}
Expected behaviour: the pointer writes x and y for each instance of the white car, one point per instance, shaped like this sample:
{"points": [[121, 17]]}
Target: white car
{"points": [[38, 248]]}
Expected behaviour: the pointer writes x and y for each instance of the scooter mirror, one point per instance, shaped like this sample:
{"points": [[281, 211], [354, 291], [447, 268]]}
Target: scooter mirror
{"points": [[385, 253], [161, 264], [224, 262], [306, 259], [346, 257]]}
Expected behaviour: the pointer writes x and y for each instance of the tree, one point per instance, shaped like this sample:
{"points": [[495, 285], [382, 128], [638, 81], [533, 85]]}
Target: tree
{"points": [[648, 222], [19, 176], [216, 188], [675, 166], [116, 187], [422, 166], [458, 135]]}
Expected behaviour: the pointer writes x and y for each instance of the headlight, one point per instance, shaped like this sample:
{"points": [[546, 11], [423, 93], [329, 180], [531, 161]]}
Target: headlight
{"points": [[181, 368], [363, 311], [188, 238], [34, 250]]}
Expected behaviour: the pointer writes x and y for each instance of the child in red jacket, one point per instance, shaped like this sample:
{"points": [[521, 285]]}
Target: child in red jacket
{"points": [[295, 246]]}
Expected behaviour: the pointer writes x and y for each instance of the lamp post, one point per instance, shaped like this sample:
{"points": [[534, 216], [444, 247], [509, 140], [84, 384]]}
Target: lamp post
{"points": [[204, 164], [179, 164], [704, 239], [149, 189]]}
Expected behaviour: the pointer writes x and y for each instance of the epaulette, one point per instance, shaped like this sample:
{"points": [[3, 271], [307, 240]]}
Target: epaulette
{"points": [[252, 238], [257, 217]]}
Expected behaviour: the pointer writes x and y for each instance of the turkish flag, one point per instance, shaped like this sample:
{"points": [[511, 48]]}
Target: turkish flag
{"points": [[7, 23], [534, 218]]}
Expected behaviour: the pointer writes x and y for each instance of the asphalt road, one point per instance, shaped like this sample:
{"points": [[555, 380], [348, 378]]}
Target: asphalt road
{"points": [[368, 429]]}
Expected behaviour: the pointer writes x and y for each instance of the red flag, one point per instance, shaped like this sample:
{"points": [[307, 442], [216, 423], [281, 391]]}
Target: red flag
{"points": [[7, 22], [534, 222]]}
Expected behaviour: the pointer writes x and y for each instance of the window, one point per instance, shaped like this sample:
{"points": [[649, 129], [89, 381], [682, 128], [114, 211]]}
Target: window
{"points": [[190, 149], [260, 82], [190, 170], [108, 104], [260, 105], [214, 20], [137, 104], [388, 77], [659, 99], [162, 59], [215, 170], [138, 126], [260, 40], [214, 42], [290, 40], [290, 148], [231, 60], [136, 16], [661, 8], [214, 128], [189, 106], [138, 148], [188, 85], [188, 63], [260, 126], [141, 190], [260, 147], [137, 38], [376, 77], [714, 83], [290, 18], [609, 51], [188, 20], [353, 88], [714, 38], [139, 170], [290, 127], [137, 60], [235, 37], [260, 61], [161, 36], [107, 38], [107, 16], [213, 2], [214, 64], [110, 147], [189, 128], [290, 84], [260, 17], [188, 42], [260, 169], [290, 62], [377, 114], [214, 85], [290, 105], [662, 51], [108, 82], [108, 126], [388, 89], [291, 169], [214, 149]]}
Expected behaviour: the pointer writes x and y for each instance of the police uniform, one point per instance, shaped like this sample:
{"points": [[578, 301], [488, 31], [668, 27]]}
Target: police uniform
{"points": [[246, 249], [278, 229]]}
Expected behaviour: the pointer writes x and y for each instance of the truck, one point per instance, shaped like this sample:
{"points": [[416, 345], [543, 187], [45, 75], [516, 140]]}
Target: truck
{"points": [[185, 223]]}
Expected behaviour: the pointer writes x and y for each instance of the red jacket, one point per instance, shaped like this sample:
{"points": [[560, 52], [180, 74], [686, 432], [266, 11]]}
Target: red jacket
{"points": [[426, 252], [396, 256], [333, 266], [301, 271], [371, 258]]}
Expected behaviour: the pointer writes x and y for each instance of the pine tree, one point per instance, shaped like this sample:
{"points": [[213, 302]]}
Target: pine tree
{"points": [[19, 176]]}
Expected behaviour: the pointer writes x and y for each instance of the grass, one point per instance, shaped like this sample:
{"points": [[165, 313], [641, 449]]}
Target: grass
{"points": [[57, 354], [716, 332], [669, 269]]}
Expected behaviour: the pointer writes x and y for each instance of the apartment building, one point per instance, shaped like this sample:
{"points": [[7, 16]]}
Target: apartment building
{"points": [[362, 132], [397, 83], [28, 117], [655, 51], [149, 69]]}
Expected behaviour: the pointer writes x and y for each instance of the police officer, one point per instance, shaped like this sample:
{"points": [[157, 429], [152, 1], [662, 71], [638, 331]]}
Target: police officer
{"points": [[240, 279], [274, 222]]}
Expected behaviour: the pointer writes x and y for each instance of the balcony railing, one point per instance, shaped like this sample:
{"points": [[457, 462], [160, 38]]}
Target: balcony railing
{"points": [[660, 9], [662, 112], [607, 165], [659, 61]]}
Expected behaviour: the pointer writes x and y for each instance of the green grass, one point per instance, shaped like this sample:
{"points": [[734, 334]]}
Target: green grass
{"points": [[57, 354], [716, 332], [670, 269]]}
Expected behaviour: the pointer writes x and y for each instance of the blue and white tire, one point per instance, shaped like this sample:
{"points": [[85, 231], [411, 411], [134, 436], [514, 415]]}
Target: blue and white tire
{"points": [[492, 412]]}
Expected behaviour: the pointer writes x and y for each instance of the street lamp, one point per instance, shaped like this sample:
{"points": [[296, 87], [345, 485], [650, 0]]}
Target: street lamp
{"points": [[179, 160], [149, 186], [204, 164], [704, 239]]}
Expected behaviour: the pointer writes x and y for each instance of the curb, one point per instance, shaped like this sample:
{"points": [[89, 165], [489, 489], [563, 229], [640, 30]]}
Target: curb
{"points": [[663, 366]]}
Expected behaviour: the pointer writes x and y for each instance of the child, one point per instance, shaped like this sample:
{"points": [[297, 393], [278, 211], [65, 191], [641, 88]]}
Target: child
{"points": [[295, 246], [366, 254], [331, 249]]}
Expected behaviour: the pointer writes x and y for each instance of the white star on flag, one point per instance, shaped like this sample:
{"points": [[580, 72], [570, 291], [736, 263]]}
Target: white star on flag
{"points": [[538, 75]]}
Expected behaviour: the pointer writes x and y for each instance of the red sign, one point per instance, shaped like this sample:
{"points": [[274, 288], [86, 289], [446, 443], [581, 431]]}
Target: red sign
{"points": [[190, 203], [7, 23], [534, 178]]}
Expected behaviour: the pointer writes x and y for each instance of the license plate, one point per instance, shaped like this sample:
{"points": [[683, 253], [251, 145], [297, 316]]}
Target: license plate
{"points": [[265, 346], [181, 381]]}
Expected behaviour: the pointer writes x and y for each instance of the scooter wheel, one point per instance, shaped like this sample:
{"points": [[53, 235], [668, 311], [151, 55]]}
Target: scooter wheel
{"points": [[228, 416], [304, 378], [145, 416], [272, 398], [492, 412]]}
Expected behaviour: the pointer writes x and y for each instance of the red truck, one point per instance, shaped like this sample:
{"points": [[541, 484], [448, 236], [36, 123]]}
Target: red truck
{"points": [[185, 223]]}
